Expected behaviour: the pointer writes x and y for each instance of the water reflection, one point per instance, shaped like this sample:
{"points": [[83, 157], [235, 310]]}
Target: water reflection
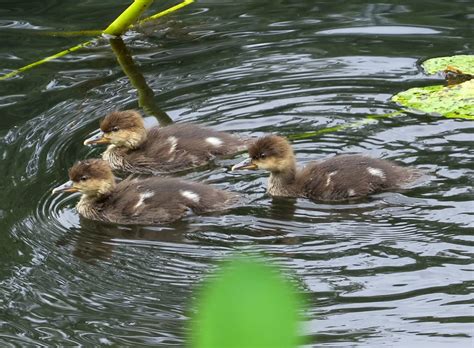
{"points": [[145, 93], [95, 241]]}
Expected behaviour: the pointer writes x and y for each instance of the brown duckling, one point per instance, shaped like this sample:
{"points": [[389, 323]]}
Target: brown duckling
{"points": [[134, 149], [337, 178], [151, 200]]}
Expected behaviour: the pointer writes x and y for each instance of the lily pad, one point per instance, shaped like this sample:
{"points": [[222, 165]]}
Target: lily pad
{"points": [[455, 101], [464, 63]]}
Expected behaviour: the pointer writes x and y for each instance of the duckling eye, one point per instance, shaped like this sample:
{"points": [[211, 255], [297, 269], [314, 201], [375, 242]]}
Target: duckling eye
{"points": [[259, 156], [83, 178], [115, 129]]}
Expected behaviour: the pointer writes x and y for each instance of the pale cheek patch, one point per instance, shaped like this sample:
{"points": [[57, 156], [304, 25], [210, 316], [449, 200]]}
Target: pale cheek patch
{"points": [[142, 197], [376, 172], [271, 164], [173, 143], [214, 141], [193, 196], [123, 138], [94, 186]]}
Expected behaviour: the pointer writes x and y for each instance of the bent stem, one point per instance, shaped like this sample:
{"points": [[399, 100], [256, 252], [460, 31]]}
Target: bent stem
{"points": [[127, 17], [135, 10]]}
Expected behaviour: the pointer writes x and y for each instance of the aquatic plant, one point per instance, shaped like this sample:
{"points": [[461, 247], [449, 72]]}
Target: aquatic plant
{"points": [[456, 100]]}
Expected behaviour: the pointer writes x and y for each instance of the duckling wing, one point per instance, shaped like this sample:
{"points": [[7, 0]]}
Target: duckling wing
{"points": [[202, 198], [144, 201], [203, 141]]}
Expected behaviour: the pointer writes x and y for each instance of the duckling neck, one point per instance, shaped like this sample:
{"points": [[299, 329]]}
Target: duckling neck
{"points": [[88, 207], [115, 156], [282, 183]]}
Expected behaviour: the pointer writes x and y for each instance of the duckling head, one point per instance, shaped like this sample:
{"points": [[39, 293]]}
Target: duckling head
{"points": [[120, 128], [92, 178], [272, 153]]}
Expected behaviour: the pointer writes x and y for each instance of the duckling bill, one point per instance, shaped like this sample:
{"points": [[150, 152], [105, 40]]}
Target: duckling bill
{"points": [[173, 148], [338, 178], [153, 200]]}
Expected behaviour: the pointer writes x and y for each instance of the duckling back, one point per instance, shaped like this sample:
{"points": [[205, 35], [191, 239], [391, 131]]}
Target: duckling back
{"points": [[160, 200], [174, 148], [352, 176]]}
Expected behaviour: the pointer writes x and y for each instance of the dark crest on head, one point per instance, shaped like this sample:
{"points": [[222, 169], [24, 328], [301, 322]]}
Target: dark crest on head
{"points": [[90, 169], [269, 146], [121, 120]]}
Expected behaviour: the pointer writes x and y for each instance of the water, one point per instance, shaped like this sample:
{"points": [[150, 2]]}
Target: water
{"points": [[395, 269]]}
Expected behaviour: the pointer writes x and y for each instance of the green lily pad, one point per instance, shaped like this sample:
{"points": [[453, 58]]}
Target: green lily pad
{"points": [[248, 304], [465, 63], [455, 101]]}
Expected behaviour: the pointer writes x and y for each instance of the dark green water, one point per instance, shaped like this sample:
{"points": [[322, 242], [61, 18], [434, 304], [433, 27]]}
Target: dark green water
{"points": [[395, 270]]}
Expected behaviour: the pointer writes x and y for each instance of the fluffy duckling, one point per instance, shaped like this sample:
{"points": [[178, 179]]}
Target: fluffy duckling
{"points": [[338, 178], [176, 147], [139, 201]]}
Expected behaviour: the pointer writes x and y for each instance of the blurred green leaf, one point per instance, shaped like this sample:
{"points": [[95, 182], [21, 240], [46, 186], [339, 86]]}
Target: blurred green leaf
{"points": [[248, 304], [465, 63], [455, 101]]}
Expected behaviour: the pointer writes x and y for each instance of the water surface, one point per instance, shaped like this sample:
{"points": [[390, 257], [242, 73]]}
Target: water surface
{"points": [[395, 269]]}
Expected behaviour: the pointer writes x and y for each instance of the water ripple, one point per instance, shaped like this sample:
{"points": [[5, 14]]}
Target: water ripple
{"points": [[403, 259]]}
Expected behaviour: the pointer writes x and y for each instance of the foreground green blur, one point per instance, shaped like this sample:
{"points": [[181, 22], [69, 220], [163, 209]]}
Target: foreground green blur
{"points": [[248, 303]]}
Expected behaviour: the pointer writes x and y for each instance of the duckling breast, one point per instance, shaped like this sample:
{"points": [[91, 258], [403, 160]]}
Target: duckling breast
{"points": [[89, 209]]}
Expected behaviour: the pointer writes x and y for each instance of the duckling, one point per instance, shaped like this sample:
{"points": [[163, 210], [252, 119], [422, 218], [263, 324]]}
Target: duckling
{"points": [[176, 147], [338, 178], [152, 200]]}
